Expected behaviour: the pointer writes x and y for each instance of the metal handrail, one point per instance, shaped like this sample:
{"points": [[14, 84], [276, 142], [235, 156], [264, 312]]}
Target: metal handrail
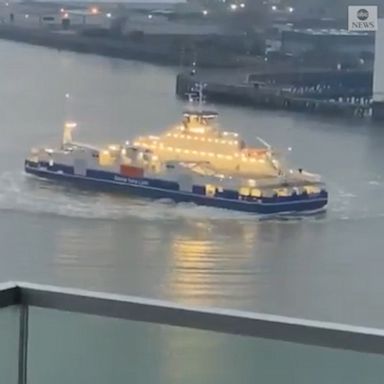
{"points": [[300, 331], [333, 335]]}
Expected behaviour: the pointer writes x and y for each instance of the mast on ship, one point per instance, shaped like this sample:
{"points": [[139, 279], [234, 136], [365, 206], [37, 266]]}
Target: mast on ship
{"points": [[67, 133], [197, 90]]}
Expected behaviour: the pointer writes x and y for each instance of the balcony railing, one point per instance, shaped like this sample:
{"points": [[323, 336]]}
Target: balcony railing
{"points": [[56, 335]]}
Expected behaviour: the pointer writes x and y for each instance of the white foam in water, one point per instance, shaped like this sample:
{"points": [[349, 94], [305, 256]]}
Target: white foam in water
{"points": [[21, 192], [25, 193], [358, 201]]}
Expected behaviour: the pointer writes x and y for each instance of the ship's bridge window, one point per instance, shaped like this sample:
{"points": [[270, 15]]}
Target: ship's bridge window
{"points": [[312, 189], [283, 192], [210, 190], [170, 166], [197, 129], [244, 191], [256, 192]]}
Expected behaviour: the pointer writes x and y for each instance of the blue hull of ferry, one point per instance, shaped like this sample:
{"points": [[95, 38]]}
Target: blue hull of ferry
{"points": [[163, 189]]}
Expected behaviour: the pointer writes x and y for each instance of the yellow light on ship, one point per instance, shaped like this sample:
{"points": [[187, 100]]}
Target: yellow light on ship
{"points": [[198, 130], [94, 11], [70, 124]]}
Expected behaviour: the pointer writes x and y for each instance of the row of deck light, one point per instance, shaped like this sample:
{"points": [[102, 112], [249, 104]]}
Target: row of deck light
{"points": [[244, 158], [234, 142]]}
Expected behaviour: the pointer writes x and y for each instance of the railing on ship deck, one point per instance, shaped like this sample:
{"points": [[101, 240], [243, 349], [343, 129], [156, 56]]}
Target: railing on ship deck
{"points": [[67, 335]]}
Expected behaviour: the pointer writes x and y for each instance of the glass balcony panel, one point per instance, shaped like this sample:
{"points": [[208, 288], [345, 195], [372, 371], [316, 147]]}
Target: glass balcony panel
{"points": [[69, 347], [9, 344]]}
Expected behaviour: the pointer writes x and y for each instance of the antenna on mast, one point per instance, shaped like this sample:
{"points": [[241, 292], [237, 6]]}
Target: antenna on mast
{"points": [[200, 89], [197, 94], [67, 134]]}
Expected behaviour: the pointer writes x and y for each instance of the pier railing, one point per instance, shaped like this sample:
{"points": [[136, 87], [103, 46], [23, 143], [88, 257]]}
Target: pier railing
{"points": [[50, 334]]}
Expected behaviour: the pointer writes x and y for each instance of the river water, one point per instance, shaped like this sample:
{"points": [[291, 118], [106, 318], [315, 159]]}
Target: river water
{"points": [[327, 268]]}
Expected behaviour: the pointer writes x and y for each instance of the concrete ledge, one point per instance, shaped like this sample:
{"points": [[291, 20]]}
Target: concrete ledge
{"points": [[378, 111]]}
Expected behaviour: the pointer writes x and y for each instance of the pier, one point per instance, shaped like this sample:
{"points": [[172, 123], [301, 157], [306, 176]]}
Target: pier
{"points": [[338, 93]]}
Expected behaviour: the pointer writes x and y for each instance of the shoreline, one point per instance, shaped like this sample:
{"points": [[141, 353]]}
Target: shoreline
{"points": [[152, 49], [87, 45]]}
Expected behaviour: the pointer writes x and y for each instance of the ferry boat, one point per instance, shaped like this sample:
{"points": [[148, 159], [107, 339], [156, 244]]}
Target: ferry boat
{"points": [[192, 162]]}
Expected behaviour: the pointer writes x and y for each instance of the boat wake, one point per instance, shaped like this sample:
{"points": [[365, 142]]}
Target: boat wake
{"points": [[23, 193]]}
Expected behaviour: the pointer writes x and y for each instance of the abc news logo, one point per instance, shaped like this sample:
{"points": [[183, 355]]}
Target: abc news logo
{"points": [[362, 18]]}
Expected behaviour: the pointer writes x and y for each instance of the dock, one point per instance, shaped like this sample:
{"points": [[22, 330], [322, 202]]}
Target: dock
{"points": [[347, 94]]}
